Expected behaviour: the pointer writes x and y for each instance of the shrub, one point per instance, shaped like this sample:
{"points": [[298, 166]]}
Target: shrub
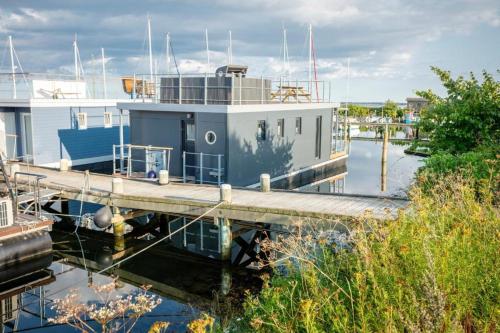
{"points": [[434, 269]]}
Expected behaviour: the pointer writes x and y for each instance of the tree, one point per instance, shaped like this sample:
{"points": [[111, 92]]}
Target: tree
{"points": [[358, 111], [390, 109], [468, 117]]}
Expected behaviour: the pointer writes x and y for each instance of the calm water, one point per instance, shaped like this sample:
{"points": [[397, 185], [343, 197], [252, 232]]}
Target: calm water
{"points": [[188, 286]]}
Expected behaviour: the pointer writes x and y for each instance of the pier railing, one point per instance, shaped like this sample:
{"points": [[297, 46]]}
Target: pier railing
{"points": [[35, 193]]}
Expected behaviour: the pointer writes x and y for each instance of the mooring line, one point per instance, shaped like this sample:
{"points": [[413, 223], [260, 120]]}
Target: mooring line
{"points": [[134, 254]]}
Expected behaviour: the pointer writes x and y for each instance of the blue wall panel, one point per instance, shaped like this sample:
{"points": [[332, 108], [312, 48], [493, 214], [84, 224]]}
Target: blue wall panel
{"points": [[56, 135]]}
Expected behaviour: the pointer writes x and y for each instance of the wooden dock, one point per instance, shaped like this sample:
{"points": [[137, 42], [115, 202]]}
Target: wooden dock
{"points": [[250, 205]]}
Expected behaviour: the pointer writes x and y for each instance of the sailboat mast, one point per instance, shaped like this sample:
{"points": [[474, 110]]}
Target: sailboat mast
{"points": [[104, 73], [75, 54], [13, 68], [168, 53], [208, 52], [230, 49], [286, 65], [310, 58], [150, 50], [348, 83]]}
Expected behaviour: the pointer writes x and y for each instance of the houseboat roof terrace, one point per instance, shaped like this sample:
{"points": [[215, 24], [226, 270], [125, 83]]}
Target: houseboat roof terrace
{"points": [[225, 87]]}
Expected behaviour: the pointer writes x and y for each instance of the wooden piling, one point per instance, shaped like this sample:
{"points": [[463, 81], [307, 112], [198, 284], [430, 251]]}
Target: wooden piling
{"points": [[383, 176], [118, 230], [225, 238]]}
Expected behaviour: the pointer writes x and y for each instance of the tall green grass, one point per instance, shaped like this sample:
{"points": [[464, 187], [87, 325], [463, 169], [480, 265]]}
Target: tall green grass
{"points": [[434, 269]]}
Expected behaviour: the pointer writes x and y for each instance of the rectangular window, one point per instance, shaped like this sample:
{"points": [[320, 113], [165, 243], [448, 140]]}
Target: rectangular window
{"points": [[261, 130], [298, 125], [82, 120], [281, 128], [317, 150], [108, 119], [190, 132]]}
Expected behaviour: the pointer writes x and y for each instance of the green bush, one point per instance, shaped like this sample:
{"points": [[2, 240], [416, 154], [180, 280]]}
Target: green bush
{"points": [[480, 166], [467, 117], [434, 269]]}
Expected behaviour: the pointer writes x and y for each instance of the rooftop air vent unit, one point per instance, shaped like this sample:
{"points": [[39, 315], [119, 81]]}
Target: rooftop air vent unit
{"points": [[6, 216], [238, 70]]}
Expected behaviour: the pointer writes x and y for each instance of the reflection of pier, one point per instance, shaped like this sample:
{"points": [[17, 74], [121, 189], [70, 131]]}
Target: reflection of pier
{"points": [[31, 276], [171, 273]]}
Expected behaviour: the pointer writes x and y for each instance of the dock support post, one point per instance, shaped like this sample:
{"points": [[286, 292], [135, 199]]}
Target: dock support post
{"points": [[118, 230], [383, 177], [225, 235], [345, 130], [225, 238], [226, 280], [265, 182]]}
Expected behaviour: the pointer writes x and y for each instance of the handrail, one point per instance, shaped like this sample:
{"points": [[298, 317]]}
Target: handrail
{"points": [[36, 191]]}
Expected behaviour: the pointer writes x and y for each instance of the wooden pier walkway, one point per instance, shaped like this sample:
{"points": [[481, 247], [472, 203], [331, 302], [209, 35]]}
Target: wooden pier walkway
{"points": [[282, 207]]}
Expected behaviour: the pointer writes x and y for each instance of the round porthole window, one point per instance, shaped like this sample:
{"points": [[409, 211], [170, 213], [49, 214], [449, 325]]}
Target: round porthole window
{"points": [[210, 137]]}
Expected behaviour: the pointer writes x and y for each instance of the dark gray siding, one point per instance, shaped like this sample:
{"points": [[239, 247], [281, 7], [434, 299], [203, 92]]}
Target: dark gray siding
{"points": [[56, 134], [215, 122], [164, 129], [249, 157]]}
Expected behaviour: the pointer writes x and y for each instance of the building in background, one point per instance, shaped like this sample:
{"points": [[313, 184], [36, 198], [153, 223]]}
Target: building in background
{"points": [[414, 106], [53, 119]]}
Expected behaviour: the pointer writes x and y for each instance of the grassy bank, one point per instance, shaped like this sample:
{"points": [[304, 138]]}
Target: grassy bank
{"points": [[436, 268]]}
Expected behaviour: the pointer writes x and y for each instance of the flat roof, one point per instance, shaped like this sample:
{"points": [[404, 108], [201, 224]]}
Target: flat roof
{"points": [[224, 108], [63, 102]]}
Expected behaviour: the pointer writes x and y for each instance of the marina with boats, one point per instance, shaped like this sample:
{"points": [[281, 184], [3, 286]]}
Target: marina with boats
{"points": [[188, 170]]}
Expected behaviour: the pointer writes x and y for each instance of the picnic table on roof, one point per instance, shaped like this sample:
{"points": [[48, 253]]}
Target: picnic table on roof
{"points": [[285, 93]]}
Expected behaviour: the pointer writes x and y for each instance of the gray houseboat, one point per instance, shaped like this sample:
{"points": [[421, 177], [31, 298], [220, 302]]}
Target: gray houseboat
{"points": [[231, 128]]}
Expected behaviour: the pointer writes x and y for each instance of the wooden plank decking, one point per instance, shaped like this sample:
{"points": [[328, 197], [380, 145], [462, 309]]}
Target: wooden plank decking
{"points": [[282, 207]]}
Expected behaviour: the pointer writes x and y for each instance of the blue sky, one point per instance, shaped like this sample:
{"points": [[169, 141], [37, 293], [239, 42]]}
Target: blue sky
{"points": [[391, 44]]}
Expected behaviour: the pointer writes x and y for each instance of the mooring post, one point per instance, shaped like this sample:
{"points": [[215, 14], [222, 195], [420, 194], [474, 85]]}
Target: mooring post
{"points": [[118, 229], [225, 193], [117, 185], [383, 176], [63, 165], [224, 223], [345, 130], [163, 178], [265, 182]]}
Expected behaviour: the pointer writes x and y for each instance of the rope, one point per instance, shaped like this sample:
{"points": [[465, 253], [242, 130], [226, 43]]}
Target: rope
{"points": [[135, 254]]}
